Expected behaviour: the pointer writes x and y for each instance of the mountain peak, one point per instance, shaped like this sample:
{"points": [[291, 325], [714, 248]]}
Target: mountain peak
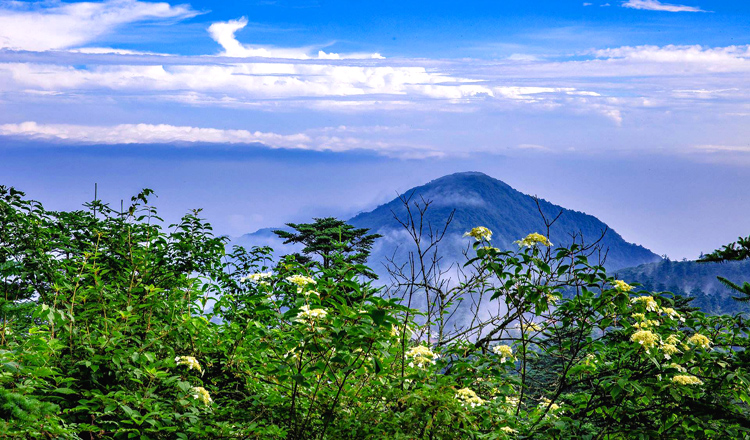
{"points": [[465, 177], [465, 174], [477, 199]]}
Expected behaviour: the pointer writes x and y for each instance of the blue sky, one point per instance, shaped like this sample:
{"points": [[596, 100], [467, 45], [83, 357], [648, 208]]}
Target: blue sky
{"points": [[263, 112]]}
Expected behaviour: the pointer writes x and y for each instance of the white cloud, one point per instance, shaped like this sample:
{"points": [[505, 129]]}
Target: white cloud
{"points": [[534, 147], [609, 83], [285, 85], [247, 81], [536, 94], [719, 57], [523, 57], [723, 148], [148, 133], [171, 134], [110, 50], [224, 34], [655, 5], [45, 25]]}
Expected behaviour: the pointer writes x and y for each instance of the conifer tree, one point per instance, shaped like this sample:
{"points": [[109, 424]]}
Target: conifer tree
{"points": [[736, 251], [328, 237]]}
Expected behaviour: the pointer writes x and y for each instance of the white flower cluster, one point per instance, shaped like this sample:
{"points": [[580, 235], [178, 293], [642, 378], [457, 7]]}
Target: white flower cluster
{"points": [[646, 338], [258, 278], [673, 314], [647, 301], [677, 367], [686, 379], [480, 233], [300, 280], [190, 361], [421, 356], [545, 402], [308, 314], [468, 397], [504, 351], [533, 239], [622, 286], [201, 394]]}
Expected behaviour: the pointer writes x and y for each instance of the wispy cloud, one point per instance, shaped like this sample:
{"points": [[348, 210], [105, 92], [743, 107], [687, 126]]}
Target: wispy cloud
{"points": [[610, 88], [321, 85], [171, 134], [723, 148], [379, 85], [534, 147], [719, 57], [656, 5], [224, 34], [46, 25], [258, 80]]}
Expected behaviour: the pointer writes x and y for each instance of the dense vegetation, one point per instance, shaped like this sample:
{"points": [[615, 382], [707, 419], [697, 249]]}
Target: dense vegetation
{"points": [[115, 327], [694, 279]]}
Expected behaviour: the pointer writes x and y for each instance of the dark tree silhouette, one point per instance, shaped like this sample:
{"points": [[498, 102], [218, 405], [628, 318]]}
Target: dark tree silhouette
{"points": [[736, 251], [329, 238]]}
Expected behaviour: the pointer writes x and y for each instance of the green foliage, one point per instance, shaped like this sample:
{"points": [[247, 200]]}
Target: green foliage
{"points": [[330, 237], [114, 327], [737, 251], [697, 280]]}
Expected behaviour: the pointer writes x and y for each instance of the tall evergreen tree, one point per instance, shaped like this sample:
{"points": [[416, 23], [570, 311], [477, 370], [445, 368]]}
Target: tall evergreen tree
{"points": [[330, 237]]}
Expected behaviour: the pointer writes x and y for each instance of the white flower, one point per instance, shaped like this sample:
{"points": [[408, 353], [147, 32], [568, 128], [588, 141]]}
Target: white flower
{"points": [[468, 397], [291, 353], [421, 356], [686, 379], [648, 302], [480, 233], [545, 402], [201, 394], [300, 280], [622, 286], [669, 350], [646, 338], [510, 404], [258, 278], [190, 361], [533, 239], [700, 340], [306, 314], [678, 367], [504, 351], [672, 313]]}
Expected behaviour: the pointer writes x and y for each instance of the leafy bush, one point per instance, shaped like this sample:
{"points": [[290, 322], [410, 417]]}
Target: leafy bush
{"points": [[114, 327]]}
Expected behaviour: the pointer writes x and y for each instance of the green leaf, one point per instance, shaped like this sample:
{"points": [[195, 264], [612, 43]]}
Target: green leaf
{"points": [[377, 315], [63, 391]]}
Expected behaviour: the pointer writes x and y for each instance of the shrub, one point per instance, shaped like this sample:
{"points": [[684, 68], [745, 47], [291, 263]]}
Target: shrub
{"points": [[114, 327]]}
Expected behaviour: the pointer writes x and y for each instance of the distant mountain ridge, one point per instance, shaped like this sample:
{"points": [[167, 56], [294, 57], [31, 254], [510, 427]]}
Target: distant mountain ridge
{"points": [[694, 279], [480, 200]]}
